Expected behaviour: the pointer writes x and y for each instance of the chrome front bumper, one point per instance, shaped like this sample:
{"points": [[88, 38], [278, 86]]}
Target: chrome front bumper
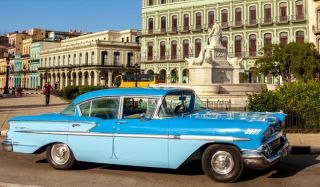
{"points": [[255, 159], [7, 146]]}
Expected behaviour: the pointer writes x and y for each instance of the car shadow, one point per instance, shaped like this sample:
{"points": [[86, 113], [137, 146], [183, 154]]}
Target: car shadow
{"points": [[288, 167]]}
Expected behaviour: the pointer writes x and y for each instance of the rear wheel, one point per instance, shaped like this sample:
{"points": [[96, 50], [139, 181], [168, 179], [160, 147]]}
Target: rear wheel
{"points": [[60, 156], [222, 163]]}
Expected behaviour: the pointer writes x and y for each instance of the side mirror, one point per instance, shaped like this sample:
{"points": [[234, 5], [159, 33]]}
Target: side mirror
{"points": [[144, 117]]}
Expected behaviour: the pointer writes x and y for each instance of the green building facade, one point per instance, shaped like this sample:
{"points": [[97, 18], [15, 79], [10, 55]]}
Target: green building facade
{"points": [[175, 29]]}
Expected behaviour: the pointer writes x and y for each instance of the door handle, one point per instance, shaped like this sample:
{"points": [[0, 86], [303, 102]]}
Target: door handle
{"points": [[121, 122], [76, 125]]}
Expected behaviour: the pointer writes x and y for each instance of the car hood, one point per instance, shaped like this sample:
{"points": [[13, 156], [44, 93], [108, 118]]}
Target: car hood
{"points": [[267, 117]]}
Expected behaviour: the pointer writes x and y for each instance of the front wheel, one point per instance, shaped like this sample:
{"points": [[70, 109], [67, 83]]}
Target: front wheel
{"points": [[222, 163], [60, 156]]}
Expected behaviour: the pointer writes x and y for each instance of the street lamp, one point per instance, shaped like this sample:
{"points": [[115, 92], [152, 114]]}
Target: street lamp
{"points": [[136, 66], [6, 89]]}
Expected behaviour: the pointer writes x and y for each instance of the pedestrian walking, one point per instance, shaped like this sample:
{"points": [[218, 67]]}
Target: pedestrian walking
{"points": [[19, 90], [47, 91]]}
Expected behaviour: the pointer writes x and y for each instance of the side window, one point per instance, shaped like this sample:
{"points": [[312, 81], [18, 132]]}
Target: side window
{"points": [[133, 108], [69, 111], [106, 108], [85, 109]]}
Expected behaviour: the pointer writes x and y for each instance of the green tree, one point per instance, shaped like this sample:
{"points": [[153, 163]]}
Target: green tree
{"points": [[299, 61]]}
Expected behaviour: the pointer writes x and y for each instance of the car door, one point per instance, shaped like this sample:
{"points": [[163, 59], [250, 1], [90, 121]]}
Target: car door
{"points": [[140, 139], [93, 142]]}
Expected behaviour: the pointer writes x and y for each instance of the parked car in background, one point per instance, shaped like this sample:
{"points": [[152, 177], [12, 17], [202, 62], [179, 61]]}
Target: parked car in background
{"points": [[162, 128]]}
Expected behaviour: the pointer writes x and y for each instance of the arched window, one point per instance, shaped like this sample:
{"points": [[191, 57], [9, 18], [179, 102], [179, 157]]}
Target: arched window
{"points": [[283, 11], [197, 47], [253, 15], [267, 40], [252, 45], [224, 42], [174, 50], [74, 59], [150, 51], [300, 36], [150, 25], [185, 48], [163, 1], [267, 13], [86, 60], [283, 38], [238, 46], [92, 57], [299, 10], [116, 59], [186, 22], [69, 59], [151, 3], [211, 18], [162, 50], [198, 20], [238, 17], [224, 18], [163, 24], [58, 60], [174, 23], [104, 58], [80, 59]]}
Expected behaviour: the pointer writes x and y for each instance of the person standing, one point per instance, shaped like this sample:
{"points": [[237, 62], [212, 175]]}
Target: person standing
{"points": [[47, 91]]}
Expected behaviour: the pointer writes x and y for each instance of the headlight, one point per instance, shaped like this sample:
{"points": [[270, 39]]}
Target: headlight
{"points": [[268, 132]]}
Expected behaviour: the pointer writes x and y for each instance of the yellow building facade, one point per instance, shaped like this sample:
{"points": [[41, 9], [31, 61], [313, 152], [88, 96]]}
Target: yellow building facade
{"points": [[92, 59]]}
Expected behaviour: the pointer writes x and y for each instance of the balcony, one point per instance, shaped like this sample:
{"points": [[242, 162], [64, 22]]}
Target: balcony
{"points": [[173, 30], [224, 25], [237, 24], [283, 20], [167, 58], [197, 28], [266, 21], [245, 54], [316, 29], [252, 23], [298, 18], [185, 29]]}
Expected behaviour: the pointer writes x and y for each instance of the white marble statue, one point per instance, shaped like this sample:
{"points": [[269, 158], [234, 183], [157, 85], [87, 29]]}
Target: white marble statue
{"points": [[214, 39]]}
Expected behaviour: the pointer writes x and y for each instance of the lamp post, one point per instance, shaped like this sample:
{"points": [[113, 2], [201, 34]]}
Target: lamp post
{"points": [[136, 66], [6, 88]]}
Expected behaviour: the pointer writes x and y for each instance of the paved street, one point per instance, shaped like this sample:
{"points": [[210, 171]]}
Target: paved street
{"points": [[33, 170]]}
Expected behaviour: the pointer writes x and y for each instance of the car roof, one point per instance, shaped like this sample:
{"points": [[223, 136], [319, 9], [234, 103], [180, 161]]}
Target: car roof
{"points": [[157, 92]]}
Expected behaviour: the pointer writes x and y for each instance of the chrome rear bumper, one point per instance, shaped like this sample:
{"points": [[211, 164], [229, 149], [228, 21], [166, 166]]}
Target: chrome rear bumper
{"points": [[7, 146], [255, 159]]}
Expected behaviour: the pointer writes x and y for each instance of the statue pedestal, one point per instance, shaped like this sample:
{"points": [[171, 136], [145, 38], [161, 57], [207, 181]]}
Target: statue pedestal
{"points": [[215, 69]]}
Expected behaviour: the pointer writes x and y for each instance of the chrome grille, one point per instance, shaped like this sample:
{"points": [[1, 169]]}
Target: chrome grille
{"points": [[275, 145]]}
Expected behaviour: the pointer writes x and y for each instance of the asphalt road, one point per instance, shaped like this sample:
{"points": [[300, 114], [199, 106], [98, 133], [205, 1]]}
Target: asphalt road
{"points": [[33, 170]]}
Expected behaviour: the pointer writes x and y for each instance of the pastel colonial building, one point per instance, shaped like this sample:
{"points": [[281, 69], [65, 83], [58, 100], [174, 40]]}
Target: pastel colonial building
{"points": [[34, 63], [92, 59], [175, 29]]}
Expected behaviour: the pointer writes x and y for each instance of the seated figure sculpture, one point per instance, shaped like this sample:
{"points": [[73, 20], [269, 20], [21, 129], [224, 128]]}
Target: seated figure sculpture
{"points": [[205, 54]]}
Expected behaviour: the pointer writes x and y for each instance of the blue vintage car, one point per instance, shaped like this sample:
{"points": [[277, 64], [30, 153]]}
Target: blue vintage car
{"points": [[163, 128]]}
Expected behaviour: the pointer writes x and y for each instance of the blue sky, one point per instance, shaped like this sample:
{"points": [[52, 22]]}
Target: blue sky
{"points": [[62, 15]]}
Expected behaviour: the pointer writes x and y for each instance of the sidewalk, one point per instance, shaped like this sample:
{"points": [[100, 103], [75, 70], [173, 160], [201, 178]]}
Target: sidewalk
{"points": [[27, 105]]}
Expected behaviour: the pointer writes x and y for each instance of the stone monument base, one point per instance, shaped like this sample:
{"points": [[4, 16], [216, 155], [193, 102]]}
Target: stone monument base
{"points": [[236, 93]]}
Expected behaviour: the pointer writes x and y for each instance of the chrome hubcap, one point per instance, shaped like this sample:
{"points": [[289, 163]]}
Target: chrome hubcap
{"points": [[60, 153], [222, 162]]}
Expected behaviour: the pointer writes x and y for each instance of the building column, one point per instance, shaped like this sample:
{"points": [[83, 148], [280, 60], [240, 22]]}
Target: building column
{"points": [[110, 73]]}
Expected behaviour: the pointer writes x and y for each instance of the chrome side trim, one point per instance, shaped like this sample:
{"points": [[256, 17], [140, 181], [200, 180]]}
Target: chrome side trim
{"points": [[173, 137]]}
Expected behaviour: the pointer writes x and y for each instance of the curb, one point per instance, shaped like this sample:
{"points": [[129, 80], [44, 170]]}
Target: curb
{"points": [[305, 149]]}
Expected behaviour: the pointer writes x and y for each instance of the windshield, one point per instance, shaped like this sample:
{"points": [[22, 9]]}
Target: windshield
{"points": [[69, 111], [180, 103]]}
